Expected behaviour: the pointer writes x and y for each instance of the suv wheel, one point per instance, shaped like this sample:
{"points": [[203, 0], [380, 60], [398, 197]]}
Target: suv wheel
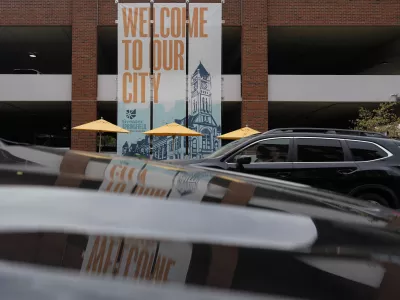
{"points": [[374, 197]]}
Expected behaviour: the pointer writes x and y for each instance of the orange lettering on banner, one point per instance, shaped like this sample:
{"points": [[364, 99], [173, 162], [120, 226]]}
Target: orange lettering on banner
{"points": [[176, 25], [131, 80], [164, 30], [144, 18], [156, 84], [203, 22], [194, 23], [127, 78], [198, 22], [126, 52], [172, 22], [128, 22], [131, 19], [168, 55], [167, 51], [97, 255], [134, 47], [157, 50], [179, 47], [137, 55], [143, 77]]}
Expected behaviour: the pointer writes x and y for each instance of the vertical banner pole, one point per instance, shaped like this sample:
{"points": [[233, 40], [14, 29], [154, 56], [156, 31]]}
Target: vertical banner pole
{"points": [[187, 77], [151, 138]]}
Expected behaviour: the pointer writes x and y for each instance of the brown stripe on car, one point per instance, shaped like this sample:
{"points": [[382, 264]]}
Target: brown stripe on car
{"points": [[224, 259], [72, 169]]}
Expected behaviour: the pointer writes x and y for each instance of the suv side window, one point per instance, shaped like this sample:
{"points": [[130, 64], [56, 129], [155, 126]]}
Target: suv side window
{"points": [[319, 150], [271, 150], [362, 151]]}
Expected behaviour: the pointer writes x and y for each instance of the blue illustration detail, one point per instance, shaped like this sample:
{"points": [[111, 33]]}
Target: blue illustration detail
{"points": [[200, 119], [139, 149], [130, 114]]}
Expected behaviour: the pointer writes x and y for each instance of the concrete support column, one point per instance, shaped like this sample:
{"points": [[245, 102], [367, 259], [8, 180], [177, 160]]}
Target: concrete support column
{"points": [[255, 64], [84, 71]]}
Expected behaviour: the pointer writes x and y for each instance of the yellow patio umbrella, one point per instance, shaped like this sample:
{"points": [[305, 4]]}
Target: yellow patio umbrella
{"points": [[238, 134], [172, 129], [100, 126]]}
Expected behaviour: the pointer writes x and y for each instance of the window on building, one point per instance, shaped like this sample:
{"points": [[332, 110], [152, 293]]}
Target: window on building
{"points": [[216, 145], [319, 150], [362, 151], [271, 150], [194, 146], [206, 139]]}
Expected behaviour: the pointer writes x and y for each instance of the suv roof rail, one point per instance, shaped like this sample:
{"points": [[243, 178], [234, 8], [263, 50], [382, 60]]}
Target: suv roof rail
{"points": [[327, 131]]}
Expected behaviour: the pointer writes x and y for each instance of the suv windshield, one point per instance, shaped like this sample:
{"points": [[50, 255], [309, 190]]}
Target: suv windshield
{"points": [[228, 147]]}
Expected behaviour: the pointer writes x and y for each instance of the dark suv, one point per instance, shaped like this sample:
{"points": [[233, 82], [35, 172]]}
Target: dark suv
{"points": [[361, 164]]}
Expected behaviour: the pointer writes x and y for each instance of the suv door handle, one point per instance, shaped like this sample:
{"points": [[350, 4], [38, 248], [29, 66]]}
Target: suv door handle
{"points": [[283, 174], [346, 171]]}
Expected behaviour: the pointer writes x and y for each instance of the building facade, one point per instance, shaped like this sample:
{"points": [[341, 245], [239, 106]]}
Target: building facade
{"points": [[254, 17]]}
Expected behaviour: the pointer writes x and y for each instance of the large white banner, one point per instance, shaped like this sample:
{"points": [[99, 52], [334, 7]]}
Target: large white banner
{"points": [[204, 83], [134, 38], [169, 67]]}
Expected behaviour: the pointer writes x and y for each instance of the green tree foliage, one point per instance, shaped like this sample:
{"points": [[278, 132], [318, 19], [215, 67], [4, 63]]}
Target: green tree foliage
{"points": [[381, 119], [107, 140]]}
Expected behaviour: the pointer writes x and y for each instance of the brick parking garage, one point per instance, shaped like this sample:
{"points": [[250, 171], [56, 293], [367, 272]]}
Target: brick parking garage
{"points": [[253, 18]]}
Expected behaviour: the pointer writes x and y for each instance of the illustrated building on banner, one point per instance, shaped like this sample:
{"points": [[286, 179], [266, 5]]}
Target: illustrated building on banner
{"points": [[200, 119], [204, 83]]}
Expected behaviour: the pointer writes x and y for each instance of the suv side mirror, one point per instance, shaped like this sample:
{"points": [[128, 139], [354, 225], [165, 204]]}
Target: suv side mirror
{"points": [[244, 160]]}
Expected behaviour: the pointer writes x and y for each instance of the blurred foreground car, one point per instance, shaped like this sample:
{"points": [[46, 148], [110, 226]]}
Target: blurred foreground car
{"points": [[232, 248], [166, 224]]}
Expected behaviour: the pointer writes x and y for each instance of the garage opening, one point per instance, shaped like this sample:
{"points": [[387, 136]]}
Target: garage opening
{"points": [[35, 50], [334, 50]]}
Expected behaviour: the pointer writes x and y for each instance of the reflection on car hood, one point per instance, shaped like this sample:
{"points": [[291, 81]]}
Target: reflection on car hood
{"points": [[33, 283], [68, 168]]}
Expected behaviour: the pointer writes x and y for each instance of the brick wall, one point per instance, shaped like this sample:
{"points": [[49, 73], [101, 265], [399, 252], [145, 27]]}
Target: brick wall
{"points": [[84, 72], [333, 12], [255, 64], [35, 12]]}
